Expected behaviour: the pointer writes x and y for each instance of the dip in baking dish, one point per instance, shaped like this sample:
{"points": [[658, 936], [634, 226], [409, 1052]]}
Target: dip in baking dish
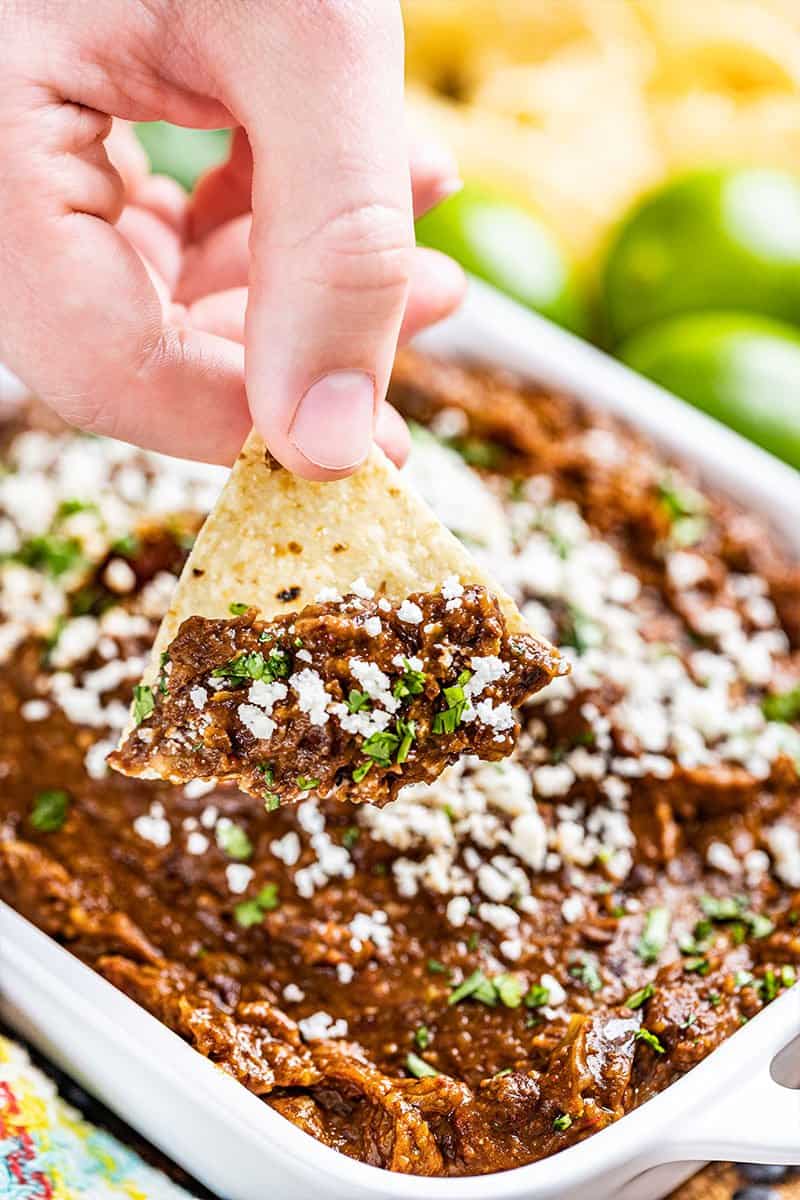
{"points": [[495, 965]]}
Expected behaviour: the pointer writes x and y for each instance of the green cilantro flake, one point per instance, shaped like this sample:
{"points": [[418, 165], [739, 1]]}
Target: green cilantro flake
{"points": [[435, 967], [143, 702], [698, 965], [358, 701], [407, 731], [272, 801], [788, 976], [233, 841], [562, 1123], [251, 912], [49, 810], [450, 718], [422, 1037], [411, 683], [654, 935], [537, 995], [361, 770], [637, 999], [586, 970], [476, 986], [650, 1039], [238, 608], [350, 836], [782, 706], [417, 1067], [380, 747], [50, 553], [307, 783], [508, 989]]}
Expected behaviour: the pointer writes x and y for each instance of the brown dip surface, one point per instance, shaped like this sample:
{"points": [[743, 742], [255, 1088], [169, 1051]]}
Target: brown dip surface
{"points": [[500, 963], [356, 696]]}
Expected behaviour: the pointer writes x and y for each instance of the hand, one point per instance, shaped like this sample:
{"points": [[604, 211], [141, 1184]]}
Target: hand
{"points": [[125, 305]]}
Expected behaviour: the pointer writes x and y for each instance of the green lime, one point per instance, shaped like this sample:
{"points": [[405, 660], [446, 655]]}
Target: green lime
{"points": [[506, 245], [741, 368], [722, 239], [182, 153]]}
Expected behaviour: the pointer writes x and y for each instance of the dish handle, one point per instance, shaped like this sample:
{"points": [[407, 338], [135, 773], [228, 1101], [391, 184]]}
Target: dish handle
{"points": [[756, 1120]]}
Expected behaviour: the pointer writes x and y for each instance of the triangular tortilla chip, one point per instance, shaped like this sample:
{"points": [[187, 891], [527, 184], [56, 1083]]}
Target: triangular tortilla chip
{"points": [[274, 541]]}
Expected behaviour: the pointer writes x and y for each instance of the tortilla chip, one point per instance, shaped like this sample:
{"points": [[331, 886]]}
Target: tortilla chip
{"points": [[274, 541]]}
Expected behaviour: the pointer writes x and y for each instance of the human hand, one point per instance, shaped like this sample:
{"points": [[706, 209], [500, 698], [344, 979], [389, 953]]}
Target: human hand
{"points": [[126, 305]]}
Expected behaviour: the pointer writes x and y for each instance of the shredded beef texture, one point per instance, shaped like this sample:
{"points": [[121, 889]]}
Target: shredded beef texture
{"points": [[497, 964], [356, 697]]}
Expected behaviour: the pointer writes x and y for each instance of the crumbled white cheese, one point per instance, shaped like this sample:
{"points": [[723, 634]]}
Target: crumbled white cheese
{"points": [[409, 612], [321, 1025], [239, 876]]}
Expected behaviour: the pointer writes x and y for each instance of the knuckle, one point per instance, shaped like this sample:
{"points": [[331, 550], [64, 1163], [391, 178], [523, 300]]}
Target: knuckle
{"points": [[367, 247]]}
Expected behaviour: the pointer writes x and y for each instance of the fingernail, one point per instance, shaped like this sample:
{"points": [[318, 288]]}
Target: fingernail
{"points": [[333, 424]]}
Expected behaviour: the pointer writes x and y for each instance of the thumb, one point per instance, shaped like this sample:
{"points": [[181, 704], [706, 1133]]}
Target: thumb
{"points": [[332, 238]]}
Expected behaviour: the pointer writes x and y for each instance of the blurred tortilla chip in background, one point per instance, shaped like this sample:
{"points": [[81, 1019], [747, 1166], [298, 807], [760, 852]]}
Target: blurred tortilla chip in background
{"points": [[578, 107]]}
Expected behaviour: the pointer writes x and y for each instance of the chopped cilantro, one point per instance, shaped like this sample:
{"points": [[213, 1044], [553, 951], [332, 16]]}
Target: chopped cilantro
{"points": [[508, 989], [68, 508], [350, 836], [435, 967], [50, 553], [714, 999], [742, 979], [163, 679], [782, 706], [417, 1067], [126, 546], [637, 999], [49, 810], [768, 986], [237, 608], [381, 746], [473, 941], [697, 965], [143, 702], [736, 909], [361, 770], [449, 719], [422, 1037], [272, 801], [253, 664], [357, 701], [650, 1039], [411, 683], [268, 771], [476, 986], [251, 912], [586, 970], [690, 1020], [562, 1123], [233, 841], [788, 976], [307, 783], [537, 995], [654, 936], [407, 731], [479, 452]]}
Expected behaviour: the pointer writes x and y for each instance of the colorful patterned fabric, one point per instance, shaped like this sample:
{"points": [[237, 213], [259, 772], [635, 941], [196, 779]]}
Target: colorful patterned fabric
{"points": [[49, 1152]]}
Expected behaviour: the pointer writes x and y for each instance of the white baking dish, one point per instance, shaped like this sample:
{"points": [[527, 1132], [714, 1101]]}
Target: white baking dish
{"points": [[741, 1103]]}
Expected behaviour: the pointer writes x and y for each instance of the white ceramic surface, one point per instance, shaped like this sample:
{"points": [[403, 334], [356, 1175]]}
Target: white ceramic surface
{"points": [[741, 1103]]}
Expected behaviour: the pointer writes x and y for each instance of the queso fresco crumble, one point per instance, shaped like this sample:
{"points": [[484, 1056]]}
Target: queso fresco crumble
{"points": [[495, 964]]}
